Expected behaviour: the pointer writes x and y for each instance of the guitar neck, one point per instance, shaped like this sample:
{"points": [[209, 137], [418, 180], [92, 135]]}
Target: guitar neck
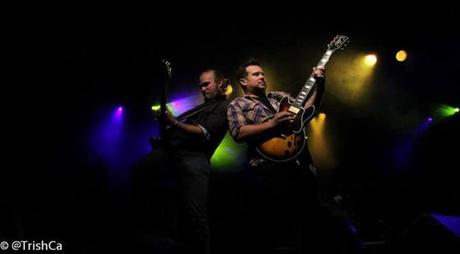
{"points": [[163, 91], [307, 87]]}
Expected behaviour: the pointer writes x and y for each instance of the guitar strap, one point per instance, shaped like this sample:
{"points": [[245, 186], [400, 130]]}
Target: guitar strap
{"points": [[267, 103]]}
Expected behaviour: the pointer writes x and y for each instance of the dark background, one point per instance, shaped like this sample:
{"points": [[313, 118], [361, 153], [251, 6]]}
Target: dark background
{"points": [[61, 67]]}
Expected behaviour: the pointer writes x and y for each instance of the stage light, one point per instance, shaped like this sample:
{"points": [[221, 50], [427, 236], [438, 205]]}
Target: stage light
{"points": [[446, 111], [180, 104], [351, 78], [229, 90], [401, 56], [169, 106], [228, 155], [319, 143], [119, 112], [371, 59]]}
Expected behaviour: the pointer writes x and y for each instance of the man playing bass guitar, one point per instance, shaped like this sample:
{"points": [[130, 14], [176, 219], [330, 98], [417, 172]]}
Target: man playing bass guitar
{"points": [[171, 183]]}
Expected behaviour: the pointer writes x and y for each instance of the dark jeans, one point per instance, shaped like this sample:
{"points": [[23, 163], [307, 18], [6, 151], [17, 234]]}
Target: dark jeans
{"points": [[170, 192], [285, 208]]}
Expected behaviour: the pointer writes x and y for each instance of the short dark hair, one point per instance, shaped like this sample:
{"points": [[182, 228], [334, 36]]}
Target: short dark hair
{"points": [[241, 72]]}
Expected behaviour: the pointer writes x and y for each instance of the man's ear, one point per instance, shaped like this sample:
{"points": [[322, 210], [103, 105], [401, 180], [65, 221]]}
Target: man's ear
{"points": [[243, 82], [221, 86]]}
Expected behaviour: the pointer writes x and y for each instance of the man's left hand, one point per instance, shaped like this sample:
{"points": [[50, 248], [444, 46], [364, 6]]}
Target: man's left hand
{"points": [[319, 73]]}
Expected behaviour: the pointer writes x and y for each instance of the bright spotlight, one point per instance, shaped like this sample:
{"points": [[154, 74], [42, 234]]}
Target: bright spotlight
{"points": [[229, 90], [118, 112], [401, 55], [371, 59], [446, 110]]}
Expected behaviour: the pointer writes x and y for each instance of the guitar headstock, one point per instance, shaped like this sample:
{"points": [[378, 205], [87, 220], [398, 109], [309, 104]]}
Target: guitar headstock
{"points": [[168, 67], [339, 42]]}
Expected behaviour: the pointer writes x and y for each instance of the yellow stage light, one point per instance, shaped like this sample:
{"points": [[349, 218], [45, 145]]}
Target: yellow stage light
{"points": [[401, 56]]}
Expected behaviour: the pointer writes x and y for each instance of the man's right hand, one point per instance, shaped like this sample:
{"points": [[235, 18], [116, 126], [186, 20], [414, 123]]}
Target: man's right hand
{"points": [[170, 120], [254, 131], [281, 117]]}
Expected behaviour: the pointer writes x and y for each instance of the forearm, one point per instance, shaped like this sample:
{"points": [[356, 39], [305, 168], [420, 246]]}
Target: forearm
{"points": [[253, 131], [311, 100], [316, 97], [319, 93], [189, 128]]}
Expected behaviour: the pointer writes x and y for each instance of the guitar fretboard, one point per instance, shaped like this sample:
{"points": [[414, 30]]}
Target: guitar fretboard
{"points": [[306, 89]]}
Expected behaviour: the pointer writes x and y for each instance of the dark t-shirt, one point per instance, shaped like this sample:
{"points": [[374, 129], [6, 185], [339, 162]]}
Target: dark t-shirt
{"points": [[213, 118]]}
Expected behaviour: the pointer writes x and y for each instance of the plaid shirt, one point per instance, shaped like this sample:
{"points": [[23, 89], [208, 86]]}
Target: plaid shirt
{"points": [[248, 110]]}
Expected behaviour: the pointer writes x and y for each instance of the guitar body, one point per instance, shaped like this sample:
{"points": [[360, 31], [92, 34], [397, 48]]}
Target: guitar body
{"points": [[289, 141]]}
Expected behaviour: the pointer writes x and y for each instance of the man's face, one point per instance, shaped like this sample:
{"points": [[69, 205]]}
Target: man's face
{"points": [[255, 80], [209, 87]]}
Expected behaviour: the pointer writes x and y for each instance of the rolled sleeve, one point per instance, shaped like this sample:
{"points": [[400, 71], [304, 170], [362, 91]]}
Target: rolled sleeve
{"points": [[206, 134], [235, 119], [214, 123]]}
